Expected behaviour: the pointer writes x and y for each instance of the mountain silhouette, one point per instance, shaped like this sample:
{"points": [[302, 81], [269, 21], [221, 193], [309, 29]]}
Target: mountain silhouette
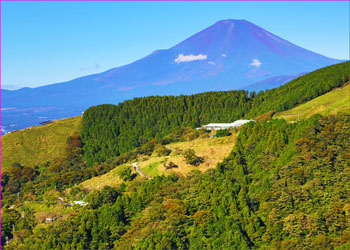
{"points": [[229, 55]]}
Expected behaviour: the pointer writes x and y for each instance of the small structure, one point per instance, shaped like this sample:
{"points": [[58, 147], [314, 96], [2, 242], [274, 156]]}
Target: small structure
{"points": [[81, 203], [45, 122], [51, 219], [218, 126], [60, 199], [67, 204], [170, 166]]}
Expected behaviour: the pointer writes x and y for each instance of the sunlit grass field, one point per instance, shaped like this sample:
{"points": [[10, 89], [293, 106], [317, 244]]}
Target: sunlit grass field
{"points": [[333, 102], [39, 144], [109, 179], [213, 151]]}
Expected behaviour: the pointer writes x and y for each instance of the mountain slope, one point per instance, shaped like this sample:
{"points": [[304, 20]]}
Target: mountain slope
{"points": [[108, 130], [215, 150], [271, 83], [336, 101], [230, 54], [37, 145], [283, 186]]}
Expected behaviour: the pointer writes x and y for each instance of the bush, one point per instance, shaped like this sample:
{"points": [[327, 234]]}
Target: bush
{"points": [[108, 195], [183, 134], [222, 133], [191, 158], [160, 150], [125, 173], [170, 165]]}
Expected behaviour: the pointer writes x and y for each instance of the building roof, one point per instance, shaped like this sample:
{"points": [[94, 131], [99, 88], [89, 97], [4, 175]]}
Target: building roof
{"points": [[219, 124], [241, 122], [232, 124], [81, 203]]}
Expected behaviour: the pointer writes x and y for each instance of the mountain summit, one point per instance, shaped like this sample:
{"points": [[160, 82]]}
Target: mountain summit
{"points": [[231, 54]]}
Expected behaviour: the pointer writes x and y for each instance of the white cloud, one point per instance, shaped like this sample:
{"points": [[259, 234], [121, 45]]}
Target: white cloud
{"points": [[212, 63], [223, 55], [189, 58], [3, 130], [255, 63]]}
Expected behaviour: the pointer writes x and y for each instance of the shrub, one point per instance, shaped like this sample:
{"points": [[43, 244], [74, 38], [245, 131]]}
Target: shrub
{"points": [[160, 150], [170, 165], [125, 173], [222, 133], [191, 158]]}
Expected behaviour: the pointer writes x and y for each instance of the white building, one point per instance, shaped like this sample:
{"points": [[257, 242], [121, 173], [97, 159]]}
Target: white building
{"points": [[217, 126], [81, 203], [51, 219]]}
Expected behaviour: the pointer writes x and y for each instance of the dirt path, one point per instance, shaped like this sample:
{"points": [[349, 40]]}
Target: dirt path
{"points": [[170, 148], [137, 168]]}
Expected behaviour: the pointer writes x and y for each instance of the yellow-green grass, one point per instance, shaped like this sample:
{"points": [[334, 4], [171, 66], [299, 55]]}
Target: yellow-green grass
{"points": [[213, 151], [109, 179], [39, 144], [49, 207], [336, 101], [152, 169], [42, 210]]}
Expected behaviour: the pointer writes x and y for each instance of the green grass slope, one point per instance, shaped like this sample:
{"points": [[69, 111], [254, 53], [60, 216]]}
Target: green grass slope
{"points": [[336, 101], [213, 151], [39, 144]]}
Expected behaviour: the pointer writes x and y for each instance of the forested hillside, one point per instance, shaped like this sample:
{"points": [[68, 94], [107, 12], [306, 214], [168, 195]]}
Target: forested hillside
{"points": [[283, 186], [109, 130]]}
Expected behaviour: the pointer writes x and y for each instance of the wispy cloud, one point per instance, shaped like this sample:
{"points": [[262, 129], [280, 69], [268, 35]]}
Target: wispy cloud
{"points": [[126, 88], [212, 63], [255, 63], [223, 55], [3, 130], [189, 58], [96, 66]]}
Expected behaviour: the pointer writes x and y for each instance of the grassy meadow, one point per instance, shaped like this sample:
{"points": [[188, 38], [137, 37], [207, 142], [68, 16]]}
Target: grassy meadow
{"points": [[333, 102], [39, 144], [109, 179], [213, 151]]}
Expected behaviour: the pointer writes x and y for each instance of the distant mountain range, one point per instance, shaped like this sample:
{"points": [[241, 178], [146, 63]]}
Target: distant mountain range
{"points": [[229, 55], [271, 83]]}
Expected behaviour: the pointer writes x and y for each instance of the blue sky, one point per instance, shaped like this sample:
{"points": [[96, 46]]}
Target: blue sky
{"points": [[49, 42]]}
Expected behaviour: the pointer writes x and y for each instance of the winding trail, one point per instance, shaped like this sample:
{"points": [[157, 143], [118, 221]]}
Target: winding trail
{"points": [[137, 169], [170, 148]]}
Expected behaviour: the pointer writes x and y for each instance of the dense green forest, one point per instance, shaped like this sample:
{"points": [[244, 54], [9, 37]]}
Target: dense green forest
{"points": [[109, 130], [292, 193]]}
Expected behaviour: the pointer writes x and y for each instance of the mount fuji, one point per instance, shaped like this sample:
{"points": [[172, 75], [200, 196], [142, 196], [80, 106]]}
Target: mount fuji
{"points": [[229, 55]]}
